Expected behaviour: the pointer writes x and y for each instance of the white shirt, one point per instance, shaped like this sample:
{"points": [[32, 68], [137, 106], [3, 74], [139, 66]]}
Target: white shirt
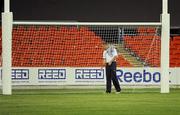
{"points": [[108, 57]]}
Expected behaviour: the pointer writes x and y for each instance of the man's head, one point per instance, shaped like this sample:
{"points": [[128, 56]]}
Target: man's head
{"points": [[106, 46]]}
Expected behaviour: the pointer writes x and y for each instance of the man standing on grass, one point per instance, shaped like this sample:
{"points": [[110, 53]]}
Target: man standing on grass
{"points": [[109, 56]]}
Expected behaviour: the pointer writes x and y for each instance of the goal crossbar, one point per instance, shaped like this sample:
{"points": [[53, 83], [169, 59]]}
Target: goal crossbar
{"points": [[88, 23]]}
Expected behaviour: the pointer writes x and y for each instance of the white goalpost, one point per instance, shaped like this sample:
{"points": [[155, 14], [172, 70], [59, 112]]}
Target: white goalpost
{"points": [[7, 20], [165, 36], [157, 31]]}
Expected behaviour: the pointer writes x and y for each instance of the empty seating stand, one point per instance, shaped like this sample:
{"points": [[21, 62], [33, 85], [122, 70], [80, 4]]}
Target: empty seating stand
{"points": [[140, 46], [145, 45], [175, 51], [51, 46]]}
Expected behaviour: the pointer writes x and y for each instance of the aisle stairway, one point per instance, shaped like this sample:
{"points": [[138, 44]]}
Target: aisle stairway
{"points": [[129, 56]]}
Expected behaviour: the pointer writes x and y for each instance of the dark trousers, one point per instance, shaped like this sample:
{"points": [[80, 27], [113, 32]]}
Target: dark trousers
{"points": [[111, 75]]}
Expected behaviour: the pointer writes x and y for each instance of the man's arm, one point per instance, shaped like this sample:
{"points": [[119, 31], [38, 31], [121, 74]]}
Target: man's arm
{"points": [[104, 60], [104, 63], [114, 58]]}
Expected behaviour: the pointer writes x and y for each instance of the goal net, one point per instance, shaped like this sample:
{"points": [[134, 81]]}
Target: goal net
{"points": [[81, 45]]}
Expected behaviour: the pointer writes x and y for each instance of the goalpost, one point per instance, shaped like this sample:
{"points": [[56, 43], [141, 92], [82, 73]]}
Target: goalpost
{"points": [[7, 23], [94, 31], [165, 20]]}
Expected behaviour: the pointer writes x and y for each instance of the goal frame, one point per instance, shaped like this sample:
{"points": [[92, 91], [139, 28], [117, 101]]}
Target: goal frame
{"points": [[7, 24]]}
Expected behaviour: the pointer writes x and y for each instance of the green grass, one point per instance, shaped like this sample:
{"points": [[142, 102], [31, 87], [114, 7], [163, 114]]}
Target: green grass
{"points": [[90, 102]]}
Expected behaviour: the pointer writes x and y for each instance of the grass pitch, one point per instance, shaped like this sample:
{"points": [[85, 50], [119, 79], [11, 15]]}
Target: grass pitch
{"points": [[90, 102]]}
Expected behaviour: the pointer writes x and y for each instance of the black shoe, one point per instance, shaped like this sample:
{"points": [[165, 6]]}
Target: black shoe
{"points": [[108, 92]]}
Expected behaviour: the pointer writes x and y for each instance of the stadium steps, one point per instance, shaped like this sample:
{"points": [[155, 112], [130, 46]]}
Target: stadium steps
{"points": [[128, 56]]}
